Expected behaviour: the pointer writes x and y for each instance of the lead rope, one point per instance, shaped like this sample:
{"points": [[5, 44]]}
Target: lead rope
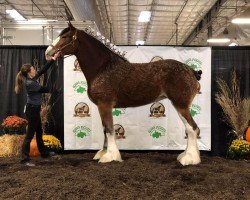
{"points": [[53, 88]]}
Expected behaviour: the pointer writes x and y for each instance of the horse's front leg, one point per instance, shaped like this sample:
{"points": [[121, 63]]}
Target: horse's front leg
{"points": [[101, 152], [110, 151]]}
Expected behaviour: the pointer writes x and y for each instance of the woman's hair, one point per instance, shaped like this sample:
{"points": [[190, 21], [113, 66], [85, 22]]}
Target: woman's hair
{"points": [[25, 69]]}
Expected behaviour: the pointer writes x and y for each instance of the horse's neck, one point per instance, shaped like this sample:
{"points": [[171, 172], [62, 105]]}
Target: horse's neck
{"points": [[92, 57]]}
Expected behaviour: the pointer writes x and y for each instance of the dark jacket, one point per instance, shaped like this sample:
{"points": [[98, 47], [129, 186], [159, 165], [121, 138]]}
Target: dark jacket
{"points": [[34, 89]]}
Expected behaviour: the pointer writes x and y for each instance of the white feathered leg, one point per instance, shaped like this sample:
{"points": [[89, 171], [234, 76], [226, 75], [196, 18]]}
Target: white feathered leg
{"points": [[101, 152], [191, 156], [113, 152]]}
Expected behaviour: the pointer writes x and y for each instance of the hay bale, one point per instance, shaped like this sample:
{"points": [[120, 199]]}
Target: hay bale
{"points": [[11, 145]]}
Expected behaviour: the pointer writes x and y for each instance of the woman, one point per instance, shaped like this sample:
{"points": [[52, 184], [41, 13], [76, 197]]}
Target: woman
{"points": [[33, 107]]}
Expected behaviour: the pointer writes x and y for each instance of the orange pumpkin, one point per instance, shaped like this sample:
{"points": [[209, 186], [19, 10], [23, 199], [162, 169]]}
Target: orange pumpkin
{"points": [[34, 152], [248, 134]]}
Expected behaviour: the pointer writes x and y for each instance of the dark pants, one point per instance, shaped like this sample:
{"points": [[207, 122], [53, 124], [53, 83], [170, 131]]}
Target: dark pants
{"points": [[34, 126]]}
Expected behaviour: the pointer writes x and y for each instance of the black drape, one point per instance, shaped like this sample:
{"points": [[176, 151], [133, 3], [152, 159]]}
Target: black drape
{"points": [[224, 60], [11, 60]]}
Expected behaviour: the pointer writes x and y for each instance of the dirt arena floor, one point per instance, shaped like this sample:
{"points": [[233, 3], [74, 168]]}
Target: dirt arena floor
{"points": [[148, 175]]}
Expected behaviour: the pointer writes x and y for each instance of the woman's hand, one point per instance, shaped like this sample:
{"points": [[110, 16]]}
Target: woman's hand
{"points": [[54, 57], [57, 55]]}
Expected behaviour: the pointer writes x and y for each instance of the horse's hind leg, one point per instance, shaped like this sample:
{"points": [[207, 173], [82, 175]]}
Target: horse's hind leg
{"points": [[191, 156], [110, 151]]}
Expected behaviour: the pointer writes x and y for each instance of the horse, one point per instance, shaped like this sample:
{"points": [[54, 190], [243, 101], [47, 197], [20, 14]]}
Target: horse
{"points": [[114, 82]]}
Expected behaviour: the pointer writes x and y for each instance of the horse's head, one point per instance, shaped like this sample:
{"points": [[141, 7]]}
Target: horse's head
{"points": [[65, 43]]}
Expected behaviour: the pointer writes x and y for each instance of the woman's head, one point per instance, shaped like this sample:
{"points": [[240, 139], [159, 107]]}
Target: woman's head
{"points": [[26, 70]]}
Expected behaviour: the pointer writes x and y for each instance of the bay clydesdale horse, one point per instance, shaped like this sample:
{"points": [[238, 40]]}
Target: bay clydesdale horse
{"points": [[114, 82]]}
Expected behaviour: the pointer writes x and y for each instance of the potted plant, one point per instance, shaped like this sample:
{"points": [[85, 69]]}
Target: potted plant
{"points": [[14, 125], [239, 149], [52, 143]]}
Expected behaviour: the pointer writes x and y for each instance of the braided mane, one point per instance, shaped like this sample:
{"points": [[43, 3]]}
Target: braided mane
{"points": [[105, 42]]}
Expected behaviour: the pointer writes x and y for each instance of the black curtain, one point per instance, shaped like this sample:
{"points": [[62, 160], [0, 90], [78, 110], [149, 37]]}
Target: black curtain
{"points": [[11, 60], [224, 60]]}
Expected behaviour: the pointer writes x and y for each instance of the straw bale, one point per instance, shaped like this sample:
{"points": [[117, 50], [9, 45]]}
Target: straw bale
{"points": [[10, 145]]}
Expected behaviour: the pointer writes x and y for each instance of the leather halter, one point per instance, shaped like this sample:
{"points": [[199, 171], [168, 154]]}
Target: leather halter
{"points": [[72, 42]]}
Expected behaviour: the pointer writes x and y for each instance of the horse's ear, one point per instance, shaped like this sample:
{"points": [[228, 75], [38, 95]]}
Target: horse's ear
{"points": [[70, 25]]}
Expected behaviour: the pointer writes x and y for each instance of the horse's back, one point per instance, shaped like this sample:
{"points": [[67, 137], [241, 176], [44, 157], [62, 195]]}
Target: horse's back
{"points": [[165, 71], [169, 78], [149, 82], [136, 84]]}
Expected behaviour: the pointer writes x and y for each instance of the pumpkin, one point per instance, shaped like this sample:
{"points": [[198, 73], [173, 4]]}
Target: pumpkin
{"points": [[248, 134], [34, 152]]}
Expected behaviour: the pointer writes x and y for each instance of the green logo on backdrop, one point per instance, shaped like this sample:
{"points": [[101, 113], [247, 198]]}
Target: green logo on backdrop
{"points": [[81, 131], [118, 111], [194, 63], [157, 131], [195, 110], [80, 86]]}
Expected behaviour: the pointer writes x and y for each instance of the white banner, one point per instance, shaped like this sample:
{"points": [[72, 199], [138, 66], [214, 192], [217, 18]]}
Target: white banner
{"points": [[153, 126]]}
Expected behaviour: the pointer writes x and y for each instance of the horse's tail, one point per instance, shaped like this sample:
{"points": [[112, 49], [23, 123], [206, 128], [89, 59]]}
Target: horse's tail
{"points": [[197, 74]]}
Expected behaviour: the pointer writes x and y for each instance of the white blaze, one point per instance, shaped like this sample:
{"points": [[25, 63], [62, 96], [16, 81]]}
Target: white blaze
{"points": [[49, 49]]}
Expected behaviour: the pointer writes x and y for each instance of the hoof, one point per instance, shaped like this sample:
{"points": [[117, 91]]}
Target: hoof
{"points": [[189, 158], [99, 154], [111, 156]]}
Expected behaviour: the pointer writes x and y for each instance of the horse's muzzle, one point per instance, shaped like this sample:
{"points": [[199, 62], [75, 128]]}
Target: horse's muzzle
{"points": [[51, 52]]}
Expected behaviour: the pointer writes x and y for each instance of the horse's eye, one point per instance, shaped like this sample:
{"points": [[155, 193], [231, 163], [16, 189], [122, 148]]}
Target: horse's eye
{"points": [[64, 36]]}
